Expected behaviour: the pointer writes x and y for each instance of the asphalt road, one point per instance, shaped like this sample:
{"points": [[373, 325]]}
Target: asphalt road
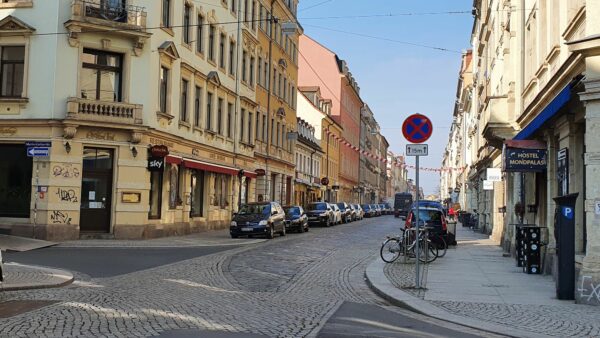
{"points": [[109, 262]]}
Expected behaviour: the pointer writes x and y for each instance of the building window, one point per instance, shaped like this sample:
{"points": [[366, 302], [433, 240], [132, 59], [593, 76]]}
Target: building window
{"points": [[253, 14], [259, 72], [100, 77], [273, 138], [257, 132], [197, 197], [220, 116], [244, 56], [174, 199], [266, 75], [231, 57], [209, 97], [261, 15], [285, 89], [183, 113], [251, 76], [166, 13], [250, 120], [246, 12], [220, 199], [200, 35], [277, 139], [264, 128], [211, 43], [230, 119], [186, 24], [233, 7], [12, 69], [164, 89], [222, 51], [242, 123], [156, 181], [15, 186], [197, 105]]}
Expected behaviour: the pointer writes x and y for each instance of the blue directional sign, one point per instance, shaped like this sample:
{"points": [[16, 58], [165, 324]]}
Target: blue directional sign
{"points": [[38, 144], [35, 152]]}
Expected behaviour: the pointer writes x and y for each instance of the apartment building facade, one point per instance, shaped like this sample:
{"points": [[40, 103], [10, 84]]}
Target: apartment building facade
{"points": [[147, 111]]}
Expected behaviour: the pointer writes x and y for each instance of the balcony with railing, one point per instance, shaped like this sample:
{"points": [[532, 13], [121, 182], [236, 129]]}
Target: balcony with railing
{"points": [[114, 17], [105, 112]]}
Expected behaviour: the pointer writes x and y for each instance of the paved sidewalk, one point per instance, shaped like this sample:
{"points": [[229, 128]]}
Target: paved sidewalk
{"points": [[25, 277], [207, 238], [475, 286]]}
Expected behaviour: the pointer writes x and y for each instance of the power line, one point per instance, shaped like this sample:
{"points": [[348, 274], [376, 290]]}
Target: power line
{"points": [[315, 5], [388, 39]]}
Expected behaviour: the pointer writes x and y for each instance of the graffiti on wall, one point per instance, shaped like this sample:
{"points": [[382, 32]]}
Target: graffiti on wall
{"points": [[60, 217], [588, 291], [65, 170], [67, 195]]}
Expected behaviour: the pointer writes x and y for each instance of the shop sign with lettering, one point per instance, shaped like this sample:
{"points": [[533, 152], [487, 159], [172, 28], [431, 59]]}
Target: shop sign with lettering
{"points": [[524, 160], [159, 150], [156, 163]]}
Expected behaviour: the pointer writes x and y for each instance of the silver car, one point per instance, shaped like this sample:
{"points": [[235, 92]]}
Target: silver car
{"points": [[337, 213], [1, 267]]}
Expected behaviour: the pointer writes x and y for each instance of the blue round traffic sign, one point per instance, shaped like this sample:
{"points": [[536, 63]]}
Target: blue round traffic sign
{"points": [[417, 128]]}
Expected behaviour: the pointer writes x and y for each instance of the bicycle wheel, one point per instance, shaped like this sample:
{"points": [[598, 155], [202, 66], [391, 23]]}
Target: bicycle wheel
{"points": [[390, 250], [429, 255], [441, 245]]}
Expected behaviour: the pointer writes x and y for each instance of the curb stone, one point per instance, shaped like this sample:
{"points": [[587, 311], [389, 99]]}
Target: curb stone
{"points": [[379, 283], [30, 277]]}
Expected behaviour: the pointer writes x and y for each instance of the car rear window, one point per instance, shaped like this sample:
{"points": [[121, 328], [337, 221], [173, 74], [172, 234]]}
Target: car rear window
{"points": [[317, 206], [430, 216]]}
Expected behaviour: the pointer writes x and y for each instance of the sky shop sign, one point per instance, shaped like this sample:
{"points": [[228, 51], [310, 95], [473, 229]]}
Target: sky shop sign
{"points": [[524, 160]]}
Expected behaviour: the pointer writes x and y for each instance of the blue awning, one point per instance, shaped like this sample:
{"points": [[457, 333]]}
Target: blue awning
{"points": [[551, 109]]}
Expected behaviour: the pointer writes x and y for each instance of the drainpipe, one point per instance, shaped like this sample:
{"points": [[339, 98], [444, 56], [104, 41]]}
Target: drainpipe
{"points": [[237, 101], [269, 92]]}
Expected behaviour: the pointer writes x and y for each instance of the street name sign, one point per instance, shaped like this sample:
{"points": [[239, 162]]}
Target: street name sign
{"points": [[417, 150], [494, 174], [38, 144], [417, 128], [38, 152]]}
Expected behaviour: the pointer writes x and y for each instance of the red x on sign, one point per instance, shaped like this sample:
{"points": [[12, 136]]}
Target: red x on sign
{"points": [[417, 128]]}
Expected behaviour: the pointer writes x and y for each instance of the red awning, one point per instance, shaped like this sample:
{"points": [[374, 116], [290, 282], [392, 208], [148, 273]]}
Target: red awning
{"points": [[250, 174], [209, 167], [174, 159], [525, 144]]}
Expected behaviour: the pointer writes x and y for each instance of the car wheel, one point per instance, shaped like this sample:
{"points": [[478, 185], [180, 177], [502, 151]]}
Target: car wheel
{"points": [[306, 228], [328, 223], [282, 233], [271, 233], [234, 236]]}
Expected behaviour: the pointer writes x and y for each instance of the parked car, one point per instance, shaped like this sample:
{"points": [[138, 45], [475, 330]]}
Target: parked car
{"points": [[383, 209], [295, 218], [402, 204], [388, 209], [428, 217], [377, 209], [260, 218], [337, 213], [320, 213], [346, 212], [367, 210], [360, 213]]}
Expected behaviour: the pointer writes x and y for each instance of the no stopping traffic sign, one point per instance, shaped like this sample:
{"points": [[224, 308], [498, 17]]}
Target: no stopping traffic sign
{"points": [[417, 128]]}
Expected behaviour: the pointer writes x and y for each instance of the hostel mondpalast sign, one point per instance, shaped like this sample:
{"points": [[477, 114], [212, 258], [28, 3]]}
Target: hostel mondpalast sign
{"points": [[524, 160]]}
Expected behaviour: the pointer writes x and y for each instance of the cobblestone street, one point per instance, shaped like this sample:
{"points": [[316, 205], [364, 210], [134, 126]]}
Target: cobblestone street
{"points": [[287, 287]]}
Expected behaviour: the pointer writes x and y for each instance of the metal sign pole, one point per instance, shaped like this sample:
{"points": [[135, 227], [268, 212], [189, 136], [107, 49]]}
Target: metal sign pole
{"points": [[417, 280]]}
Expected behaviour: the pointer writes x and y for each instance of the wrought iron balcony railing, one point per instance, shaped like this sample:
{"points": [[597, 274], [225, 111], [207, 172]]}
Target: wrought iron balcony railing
{"points": [[117, 11]]}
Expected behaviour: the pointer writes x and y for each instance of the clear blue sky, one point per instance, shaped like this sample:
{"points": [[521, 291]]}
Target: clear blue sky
{"points": [[398, 79]]}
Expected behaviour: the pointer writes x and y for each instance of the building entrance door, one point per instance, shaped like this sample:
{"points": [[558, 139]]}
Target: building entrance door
{"points": [[96, 190]]}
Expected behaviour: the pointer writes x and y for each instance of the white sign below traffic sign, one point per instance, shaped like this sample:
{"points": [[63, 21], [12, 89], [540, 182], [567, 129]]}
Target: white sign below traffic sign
{"points": [[417, 150], [494, 174], [488, 185]]}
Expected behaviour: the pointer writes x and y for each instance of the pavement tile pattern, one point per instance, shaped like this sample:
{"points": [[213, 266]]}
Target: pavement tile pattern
{"points": [[474, 270], [282, 288]]}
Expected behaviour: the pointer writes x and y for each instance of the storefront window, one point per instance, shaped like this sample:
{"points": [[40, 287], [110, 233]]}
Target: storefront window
{"points": [[156, 180], [174, 197], [15, 181], [220, 199], [197, 193]]}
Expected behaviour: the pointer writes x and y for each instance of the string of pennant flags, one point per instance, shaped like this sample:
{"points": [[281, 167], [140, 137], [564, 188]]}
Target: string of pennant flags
{"points": [[385, 160]]}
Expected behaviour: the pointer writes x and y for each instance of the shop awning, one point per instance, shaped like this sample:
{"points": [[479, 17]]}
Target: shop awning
{"points": [[206, 166], [551, 109]]}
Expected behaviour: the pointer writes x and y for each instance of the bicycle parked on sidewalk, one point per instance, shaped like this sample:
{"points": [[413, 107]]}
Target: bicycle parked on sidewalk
{"points": [[405, 245]]}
